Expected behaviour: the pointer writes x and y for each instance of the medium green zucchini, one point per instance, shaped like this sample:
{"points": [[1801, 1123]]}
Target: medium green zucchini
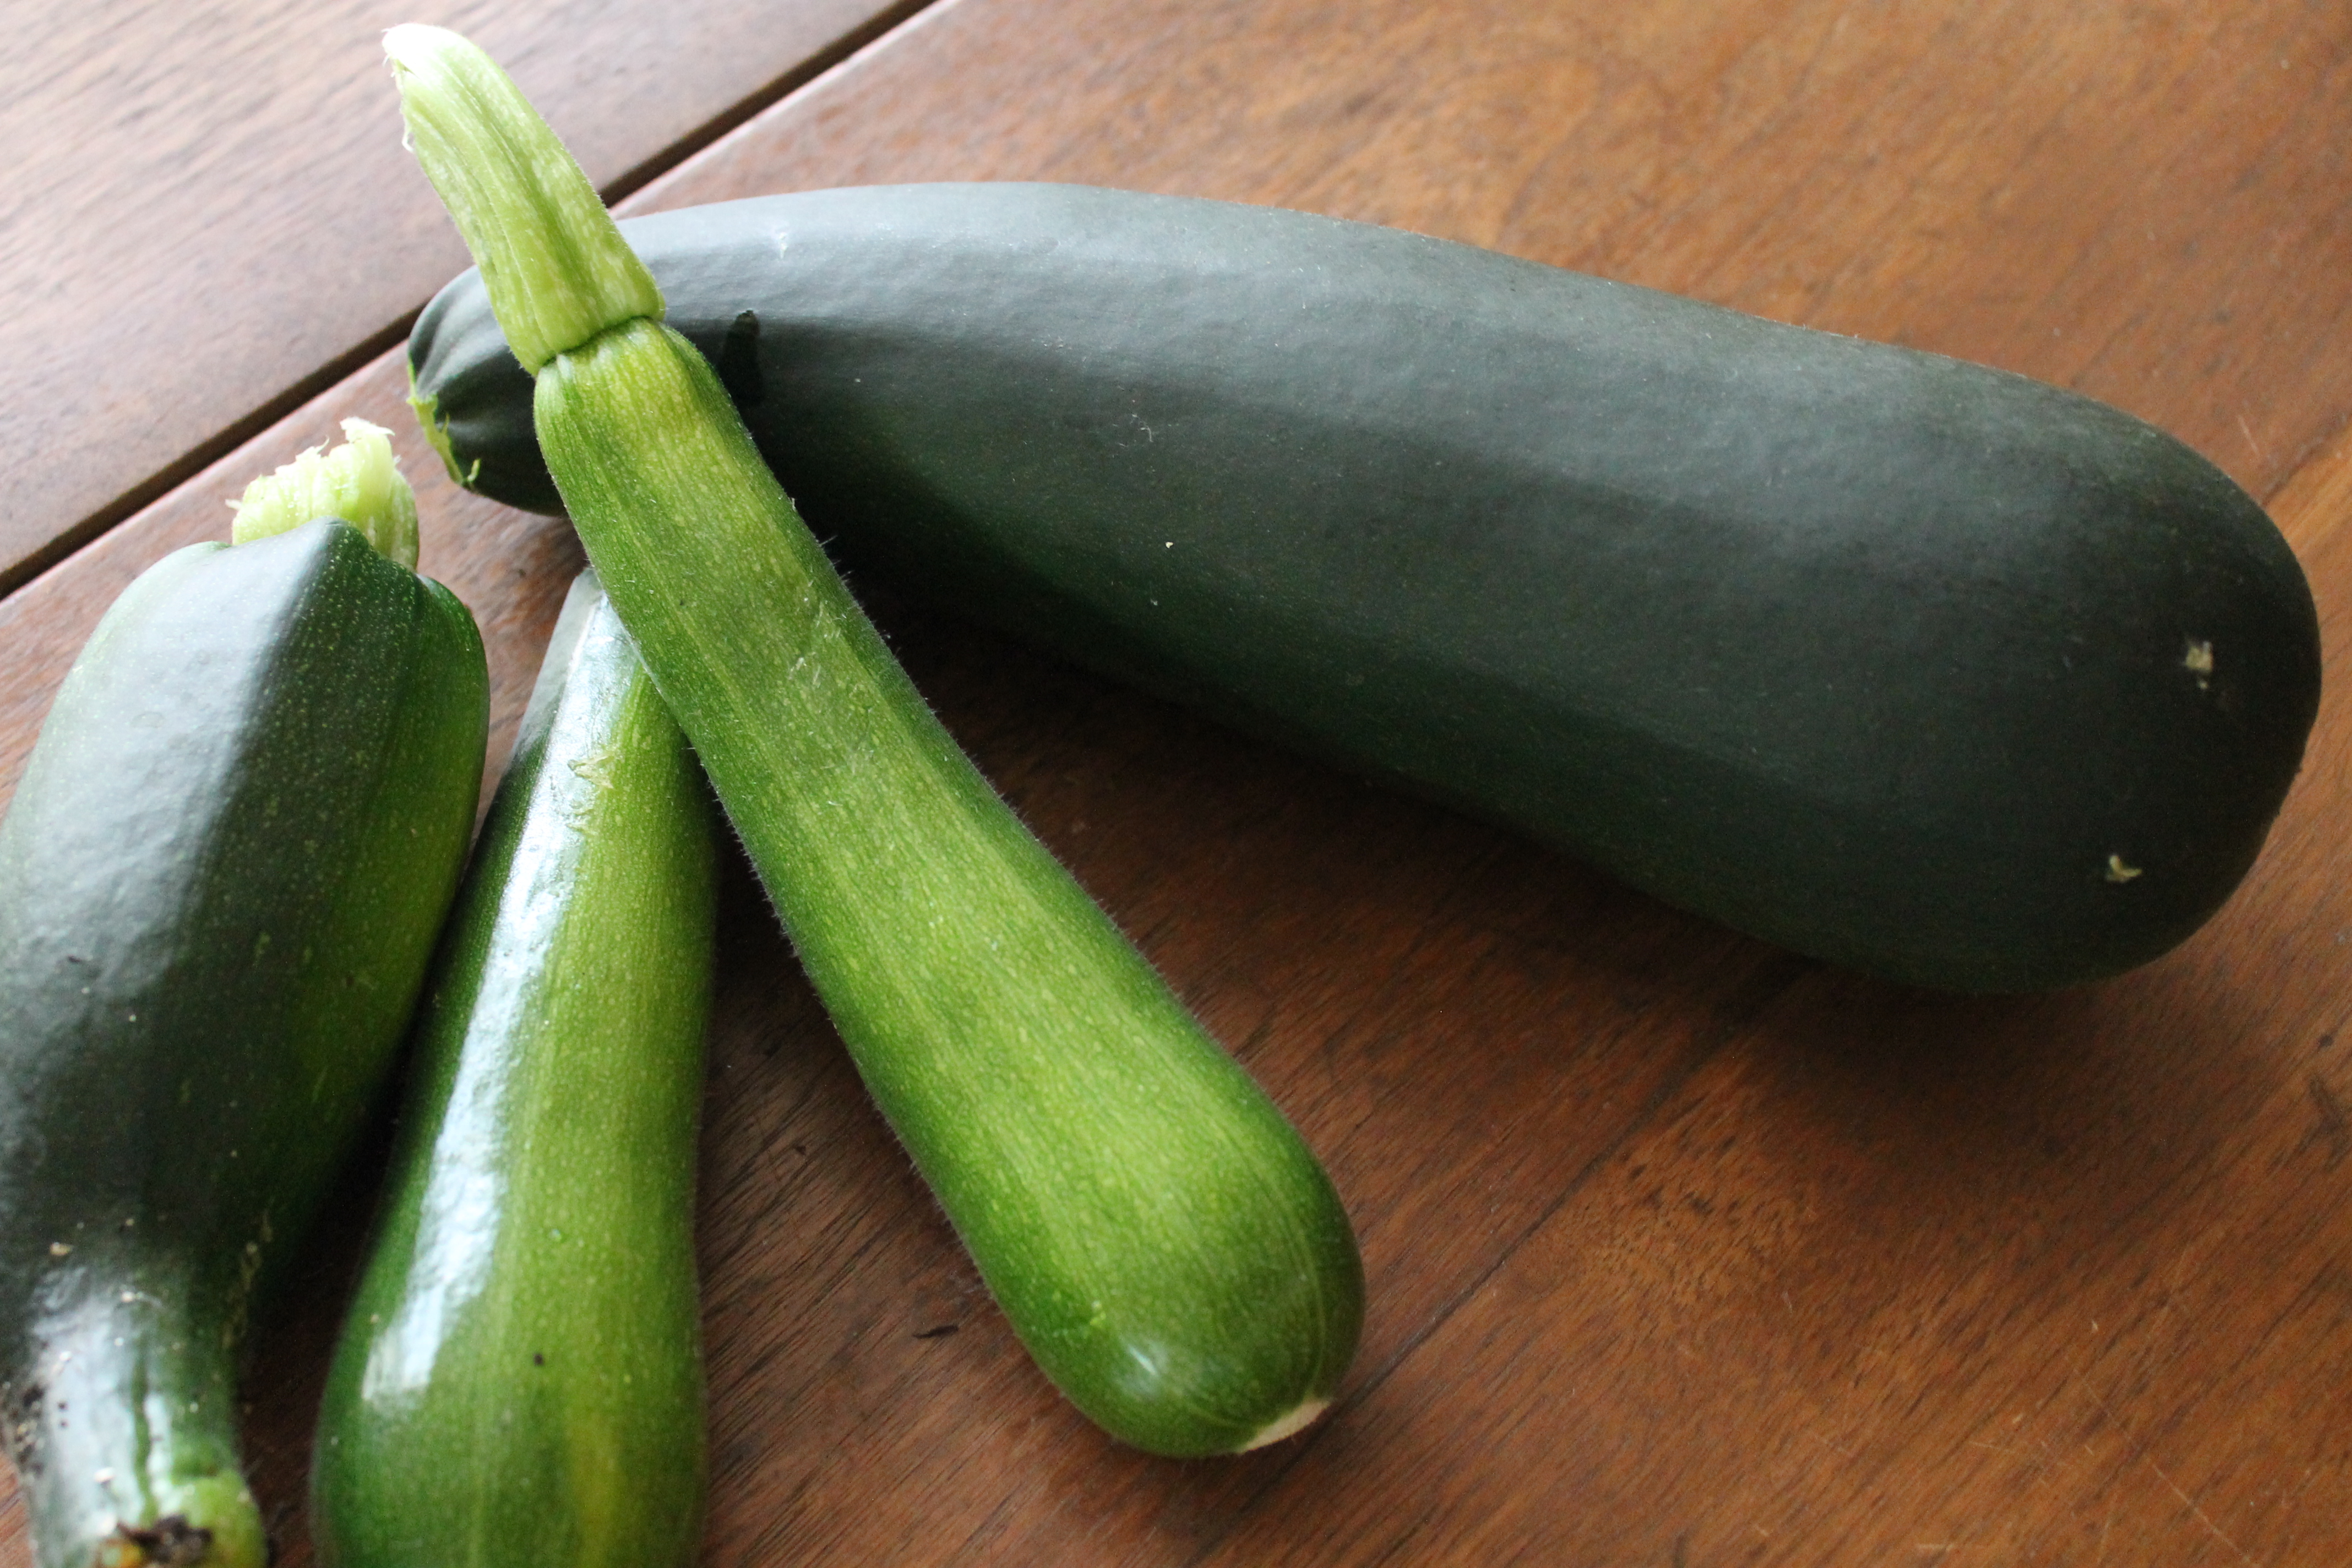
{"points": [[220, 879], [1164, 1243], [518, 1380], [1915, 666]]}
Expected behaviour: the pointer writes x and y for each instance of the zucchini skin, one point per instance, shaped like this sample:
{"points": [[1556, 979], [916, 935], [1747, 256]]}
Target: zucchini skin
{"points": [[1162, 1240], [520, 1377], [220, 881], [1914, 666]]}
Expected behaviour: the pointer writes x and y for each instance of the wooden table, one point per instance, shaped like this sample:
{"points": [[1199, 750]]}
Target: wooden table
{"points": [[1682, 1250]]}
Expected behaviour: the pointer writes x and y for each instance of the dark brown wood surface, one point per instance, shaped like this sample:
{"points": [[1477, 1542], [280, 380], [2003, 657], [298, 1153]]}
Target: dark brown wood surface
{"points": [[1680, 1251], [205, 211]]}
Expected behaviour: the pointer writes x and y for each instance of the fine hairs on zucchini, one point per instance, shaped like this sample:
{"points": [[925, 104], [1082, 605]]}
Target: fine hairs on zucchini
{"points": [[220, 882], [1161, 1239]]}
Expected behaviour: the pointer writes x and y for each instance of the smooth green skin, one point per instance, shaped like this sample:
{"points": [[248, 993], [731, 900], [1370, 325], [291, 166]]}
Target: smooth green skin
{"points": [[1869, 652], [1160, 1238], [519, 1379], [220, 882]]}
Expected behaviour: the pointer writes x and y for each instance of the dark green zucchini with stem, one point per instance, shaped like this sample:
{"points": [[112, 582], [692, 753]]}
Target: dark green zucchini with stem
{"points": [[1912, 665], [220, 881], [1161, 1239], [519, 1380]]}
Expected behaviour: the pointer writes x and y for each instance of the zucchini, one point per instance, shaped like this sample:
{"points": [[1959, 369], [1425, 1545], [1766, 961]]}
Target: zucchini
{"points": [[220, 881], [518, 1379], [1914, 666], [1163, 1242]]}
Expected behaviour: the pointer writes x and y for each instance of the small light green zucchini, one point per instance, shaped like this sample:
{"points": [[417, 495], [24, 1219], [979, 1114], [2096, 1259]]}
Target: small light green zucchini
{"points": [[1161, 1239], [220, 882], [520, 1381]]}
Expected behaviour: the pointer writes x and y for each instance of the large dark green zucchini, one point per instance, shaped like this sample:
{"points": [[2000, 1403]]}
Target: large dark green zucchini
{"points": [[220, 881], [1913, 665], [519, 1379]]}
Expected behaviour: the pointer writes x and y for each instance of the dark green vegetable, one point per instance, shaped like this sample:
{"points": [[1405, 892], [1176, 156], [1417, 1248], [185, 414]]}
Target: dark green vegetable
{"points": [[1915, 666], [1164, 1243], [519, 1380], [220, 881]]}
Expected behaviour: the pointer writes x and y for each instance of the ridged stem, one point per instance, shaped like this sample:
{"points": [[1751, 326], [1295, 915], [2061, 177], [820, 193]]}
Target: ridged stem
{"points": [[358, 481], [557, 269]]}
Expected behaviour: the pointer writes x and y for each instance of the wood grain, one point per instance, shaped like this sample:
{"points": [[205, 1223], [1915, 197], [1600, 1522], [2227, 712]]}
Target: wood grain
{"points": [[1681, 1251], [206, 207], [2127, 202]]}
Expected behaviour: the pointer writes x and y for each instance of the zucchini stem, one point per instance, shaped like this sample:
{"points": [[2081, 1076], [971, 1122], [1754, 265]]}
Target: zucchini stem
{"points": [[558, 270], [358, 481]]}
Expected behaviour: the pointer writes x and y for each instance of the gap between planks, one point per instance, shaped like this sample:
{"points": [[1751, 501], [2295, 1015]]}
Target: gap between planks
{"points": [[255, 421]]}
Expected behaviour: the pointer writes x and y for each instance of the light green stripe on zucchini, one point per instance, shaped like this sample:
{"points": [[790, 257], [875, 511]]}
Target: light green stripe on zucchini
{"points": [[1160, 1238]]}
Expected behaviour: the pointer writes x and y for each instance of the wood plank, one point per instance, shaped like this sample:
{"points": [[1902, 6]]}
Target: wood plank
{"points": [[2120, 199], [207, 211], [1680, 1250], [1896, 1279]]}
